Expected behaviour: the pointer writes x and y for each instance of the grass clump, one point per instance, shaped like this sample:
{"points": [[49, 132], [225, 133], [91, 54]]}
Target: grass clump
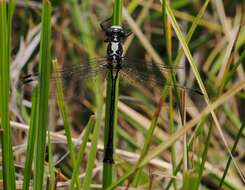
{"points": [[164, 137]]}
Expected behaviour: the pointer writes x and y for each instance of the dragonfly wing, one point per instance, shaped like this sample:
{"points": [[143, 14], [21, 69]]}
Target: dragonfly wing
{"points": [[152, 73], [81, 71], [151, 78], [151, 67], [74, 75], [147, 73]]}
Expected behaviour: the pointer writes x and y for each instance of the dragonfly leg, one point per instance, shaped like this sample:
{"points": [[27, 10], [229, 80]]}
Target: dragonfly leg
{"points": [[127, 33], [104, 25]]}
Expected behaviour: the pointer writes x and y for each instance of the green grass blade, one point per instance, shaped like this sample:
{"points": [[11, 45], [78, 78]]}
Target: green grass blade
{"points": [[204, 156], [178, 167], [186, 49], [168, 38], [31, 142], [51, 176], [82, 24], [5, 53], [192, 29], [190, 180], [63, 111], [92, 153], [122, 179], [233, 70], [81, 151], [172, 131], [42, 106], [117, 13], [147, 142], [239, 134]]}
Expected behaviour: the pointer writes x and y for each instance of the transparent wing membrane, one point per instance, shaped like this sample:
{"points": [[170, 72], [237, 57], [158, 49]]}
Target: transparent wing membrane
{"points": [[148, 74]]}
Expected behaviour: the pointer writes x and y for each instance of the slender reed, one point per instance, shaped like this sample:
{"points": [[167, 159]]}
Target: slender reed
{"points": [[6, 12], [43, 95], [111, 110]]}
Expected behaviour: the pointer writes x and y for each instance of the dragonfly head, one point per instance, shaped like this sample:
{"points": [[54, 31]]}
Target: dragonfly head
{"points": [[115, 34]]}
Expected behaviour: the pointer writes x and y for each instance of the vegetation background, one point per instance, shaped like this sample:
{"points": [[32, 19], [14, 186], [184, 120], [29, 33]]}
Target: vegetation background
{"points": [[157, 147]]}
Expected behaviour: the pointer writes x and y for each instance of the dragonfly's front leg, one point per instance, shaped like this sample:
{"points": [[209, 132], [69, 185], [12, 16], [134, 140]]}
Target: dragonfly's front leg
{"points": [[104, 25]]}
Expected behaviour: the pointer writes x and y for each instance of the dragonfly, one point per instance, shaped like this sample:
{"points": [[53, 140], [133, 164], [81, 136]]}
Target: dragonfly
{"points": [[113, 65]]}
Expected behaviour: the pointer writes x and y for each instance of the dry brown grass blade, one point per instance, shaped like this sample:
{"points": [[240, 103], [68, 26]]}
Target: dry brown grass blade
{"points": [[221, 13], [231, 45], [130, 156], [140, 119], [139, 21]]}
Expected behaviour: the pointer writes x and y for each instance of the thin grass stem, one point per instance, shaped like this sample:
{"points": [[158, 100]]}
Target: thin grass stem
{"points": [[6, 12], [43, 95]]}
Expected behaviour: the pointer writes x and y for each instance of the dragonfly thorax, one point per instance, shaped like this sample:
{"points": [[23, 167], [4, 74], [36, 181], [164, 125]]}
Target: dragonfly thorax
{"points": [[115, 36]]}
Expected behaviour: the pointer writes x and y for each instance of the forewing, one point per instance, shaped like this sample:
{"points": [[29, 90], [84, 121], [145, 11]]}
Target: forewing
{"points": [[148, 73], [150, 76], [76, 75]]}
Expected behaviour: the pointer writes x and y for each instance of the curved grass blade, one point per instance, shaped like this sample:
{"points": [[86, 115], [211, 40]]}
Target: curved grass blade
{"points": [[63, 111], [43, 93]]}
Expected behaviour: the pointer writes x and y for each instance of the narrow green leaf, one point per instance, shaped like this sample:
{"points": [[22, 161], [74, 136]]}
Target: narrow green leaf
{"points": [[31, 142], [92, 154], [51, 176], [43, 95], [233, 70], [204, 157], [192, 29], [147, 142], [117, 13], [81, 151], [63, 111], [239, 134], [5, 59], [190, 180]]}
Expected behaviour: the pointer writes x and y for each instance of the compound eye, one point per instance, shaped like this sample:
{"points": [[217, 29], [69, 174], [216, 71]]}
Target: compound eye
{"points": [[108, 32], [122, 33]]}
